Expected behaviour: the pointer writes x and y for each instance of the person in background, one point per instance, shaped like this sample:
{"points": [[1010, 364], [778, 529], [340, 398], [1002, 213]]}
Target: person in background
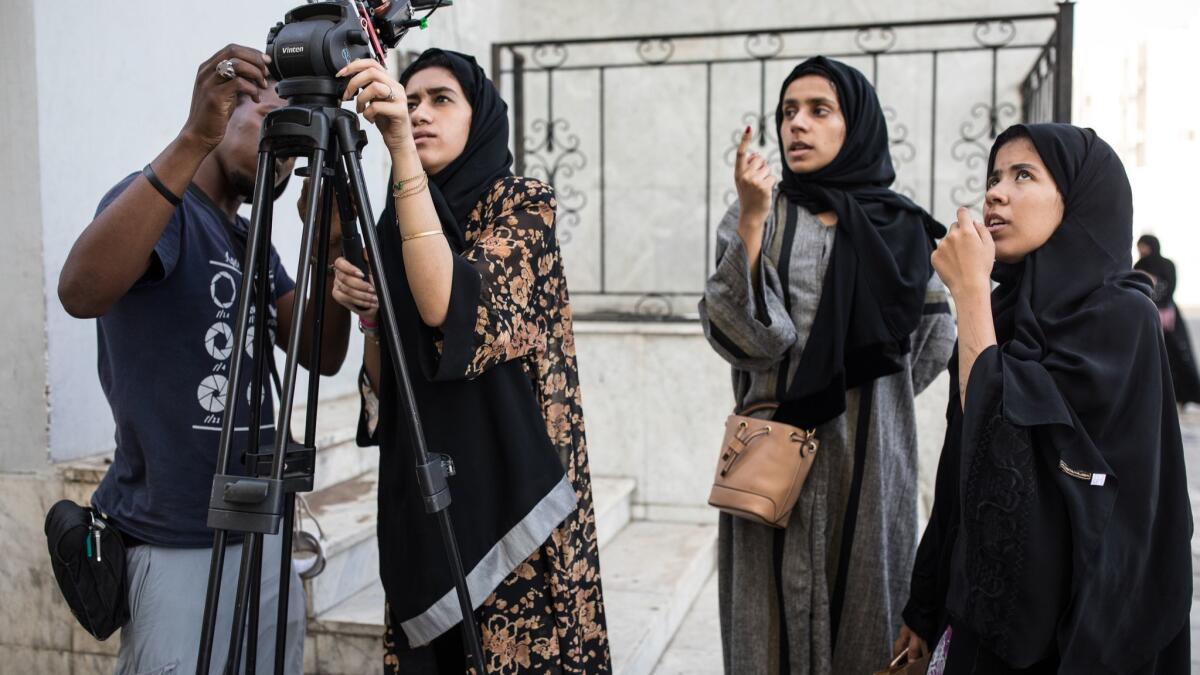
{"points": [[1184, 374]]}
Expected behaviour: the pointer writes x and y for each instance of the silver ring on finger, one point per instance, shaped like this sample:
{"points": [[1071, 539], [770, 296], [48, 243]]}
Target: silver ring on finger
{"points": [[226, 70], [391, 95]]}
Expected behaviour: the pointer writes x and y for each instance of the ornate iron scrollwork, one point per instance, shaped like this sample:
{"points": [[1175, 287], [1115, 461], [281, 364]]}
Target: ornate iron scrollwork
{"points": [[764, 46], [654, 305], [549, 56], [552, 156], [994, 34], [900, 147], [971, 150], [656, 51], [875, 40]]}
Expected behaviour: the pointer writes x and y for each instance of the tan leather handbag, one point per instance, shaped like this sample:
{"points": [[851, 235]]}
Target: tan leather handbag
{"points": [[762, 467]]}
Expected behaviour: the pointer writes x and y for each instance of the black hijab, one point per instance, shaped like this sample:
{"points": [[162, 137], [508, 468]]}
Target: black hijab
{"points": [[1151, 242], [486, 159], [1081, 364], [491, 425], [874, 290]]}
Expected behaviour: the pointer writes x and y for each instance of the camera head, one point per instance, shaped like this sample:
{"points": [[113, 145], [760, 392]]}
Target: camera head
{"points": [[316, 40]]}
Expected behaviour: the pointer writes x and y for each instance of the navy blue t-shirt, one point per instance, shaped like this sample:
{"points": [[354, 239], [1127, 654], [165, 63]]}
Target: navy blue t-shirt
{"points": [[164, 355]]}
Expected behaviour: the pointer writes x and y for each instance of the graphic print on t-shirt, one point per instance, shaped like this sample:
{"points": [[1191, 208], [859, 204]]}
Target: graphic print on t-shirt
{"points": [[219, 340], [211, 391], [163, 357]]}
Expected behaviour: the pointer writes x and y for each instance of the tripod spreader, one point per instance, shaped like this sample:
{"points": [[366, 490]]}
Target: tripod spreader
{"points": [[246, 504], [431, 476]]}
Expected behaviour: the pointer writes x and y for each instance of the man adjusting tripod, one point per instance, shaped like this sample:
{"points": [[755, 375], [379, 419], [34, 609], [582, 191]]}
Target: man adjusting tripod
{"points": [[160, 269]]}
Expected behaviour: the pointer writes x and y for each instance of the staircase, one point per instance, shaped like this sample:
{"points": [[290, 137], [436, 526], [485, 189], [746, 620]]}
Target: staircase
{"points": [[652, 571]]}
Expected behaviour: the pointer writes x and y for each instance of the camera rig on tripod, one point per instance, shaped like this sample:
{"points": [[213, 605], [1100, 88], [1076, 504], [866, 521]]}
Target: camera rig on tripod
{"points": [[307, 49]]}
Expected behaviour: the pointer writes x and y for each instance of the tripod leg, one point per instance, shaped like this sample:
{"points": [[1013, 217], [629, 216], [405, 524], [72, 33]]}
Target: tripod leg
{"points": [[262, 343], [237, 633], [285, 583], [244, 632], [303, 278], [321, 272], [347, 132], [210, 602], [470, 630], [310, 422], [254, 248], [255, 586]]}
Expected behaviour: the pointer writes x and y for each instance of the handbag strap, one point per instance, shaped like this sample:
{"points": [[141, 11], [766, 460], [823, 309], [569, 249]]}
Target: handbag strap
{"points": [[757, 407]]}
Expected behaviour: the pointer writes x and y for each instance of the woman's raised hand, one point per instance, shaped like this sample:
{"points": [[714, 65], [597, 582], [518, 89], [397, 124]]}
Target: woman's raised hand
{"points": [[382, 100], [755, 182], [964, 258]]}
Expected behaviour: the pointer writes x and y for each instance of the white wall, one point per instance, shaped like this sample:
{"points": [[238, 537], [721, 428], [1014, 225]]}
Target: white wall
{"points": [[532, 19], [1139, 90], [113, 84]]}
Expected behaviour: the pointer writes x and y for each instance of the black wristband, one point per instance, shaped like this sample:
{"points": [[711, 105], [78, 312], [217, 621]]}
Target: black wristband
{"points": [[162, 189]]}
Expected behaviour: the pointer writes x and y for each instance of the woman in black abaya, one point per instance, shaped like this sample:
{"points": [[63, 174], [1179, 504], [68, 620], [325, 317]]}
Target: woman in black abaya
{"points": [[472, 262], [1059, 539], [1179, 344]]}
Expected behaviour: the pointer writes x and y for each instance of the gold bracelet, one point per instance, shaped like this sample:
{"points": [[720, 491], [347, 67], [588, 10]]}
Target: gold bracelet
{"points": [[401, 196], [399, 185], [408, 192], [427, 233]]}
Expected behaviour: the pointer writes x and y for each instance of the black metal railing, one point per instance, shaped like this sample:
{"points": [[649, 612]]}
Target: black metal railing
{"points": [[948, 87], [1046, 89]]}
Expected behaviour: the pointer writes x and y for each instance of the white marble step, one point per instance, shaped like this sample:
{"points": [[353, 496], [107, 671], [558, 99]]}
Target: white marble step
{"points": [[696, 649], [652, 573], [348, 639], [612, 501], [346, 512], [338, 456]]}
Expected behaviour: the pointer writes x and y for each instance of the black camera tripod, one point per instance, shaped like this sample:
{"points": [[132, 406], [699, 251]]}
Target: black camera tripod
{"points": [[315, 126]]}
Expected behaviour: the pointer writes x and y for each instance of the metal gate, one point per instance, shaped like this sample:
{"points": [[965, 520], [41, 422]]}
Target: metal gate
{"points": [[948, 87]]}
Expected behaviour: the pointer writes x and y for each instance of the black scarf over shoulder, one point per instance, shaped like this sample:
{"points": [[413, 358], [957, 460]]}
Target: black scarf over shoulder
{"points": [[874, 289], [491, 425], [1061, 527]]}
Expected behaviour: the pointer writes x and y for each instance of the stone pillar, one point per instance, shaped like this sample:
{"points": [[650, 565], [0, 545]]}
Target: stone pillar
{"points": [[24, 415]]}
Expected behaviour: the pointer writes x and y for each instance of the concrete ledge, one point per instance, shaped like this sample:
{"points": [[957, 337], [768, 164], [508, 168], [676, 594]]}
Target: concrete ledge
{"points": [[587, 327]]}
